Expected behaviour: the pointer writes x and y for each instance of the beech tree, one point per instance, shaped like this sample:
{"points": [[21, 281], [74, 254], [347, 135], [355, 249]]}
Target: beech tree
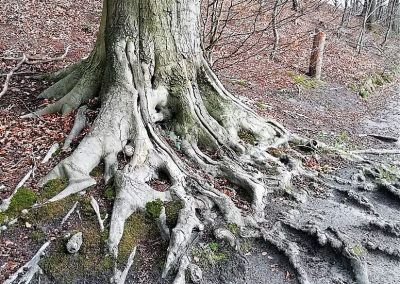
{"points": [[148, 70], [147, 67]]}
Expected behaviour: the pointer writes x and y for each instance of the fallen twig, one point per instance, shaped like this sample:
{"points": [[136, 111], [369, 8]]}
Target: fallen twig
{"points": [[9, 75], [29, 59], [96, 208], [69, 213]]}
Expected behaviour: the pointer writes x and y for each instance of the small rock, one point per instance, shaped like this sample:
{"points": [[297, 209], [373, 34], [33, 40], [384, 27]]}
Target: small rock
{"points": [[28, 225], [196, 259], [264, 253], [3, 228], [25, 211], [196, 275], [75, 242]]}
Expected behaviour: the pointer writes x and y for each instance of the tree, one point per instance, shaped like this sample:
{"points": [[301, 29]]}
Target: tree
{"points": [[147, 67], [159, 100]]}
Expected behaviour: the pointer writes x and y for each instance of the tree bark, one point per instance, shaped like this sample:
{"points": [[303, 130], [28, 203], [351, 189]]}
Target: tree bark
{"points": [[317, 55]]}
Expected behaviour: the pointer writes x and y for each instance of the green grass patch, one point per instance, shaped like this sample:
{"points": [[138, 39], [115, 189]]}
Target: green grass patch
{"points": [[305, 81]]}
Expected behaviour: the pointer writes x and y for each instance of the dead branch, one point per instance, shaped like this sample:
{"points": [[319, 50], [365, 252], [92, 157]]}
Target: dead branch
{"points": [[36, 60], [9, 75]]}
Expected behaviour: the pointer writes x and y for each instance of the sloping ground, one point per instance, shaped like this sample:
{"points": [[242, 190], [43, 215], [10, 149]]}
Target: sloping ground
{"points": [[331, 113]]}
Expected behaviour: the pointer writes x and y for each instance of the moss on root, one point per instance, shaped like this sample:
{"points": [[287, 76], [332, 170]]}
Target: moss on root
{"points": [[210, 253], [97, 171], [172, 210], [247, 136], [109, 192], [23, 199], [138, 229], [213, 102], [153, 209], [52, 188]]}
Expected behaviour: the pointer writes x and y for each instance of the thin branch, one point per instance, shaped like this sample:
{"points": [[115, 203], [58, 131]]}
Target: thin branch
{"points": [[9, 75]]}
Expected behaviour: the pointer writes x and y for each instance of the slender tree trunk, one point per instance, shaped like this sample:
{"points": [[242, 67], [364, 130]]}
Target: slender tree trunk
{"points": [[371, 15], [275, 29]]}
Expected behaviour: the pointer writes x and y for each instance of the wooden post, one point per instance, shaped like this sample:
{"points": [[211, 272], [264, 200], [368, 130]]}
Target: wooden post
{"points": [[317, 55]]}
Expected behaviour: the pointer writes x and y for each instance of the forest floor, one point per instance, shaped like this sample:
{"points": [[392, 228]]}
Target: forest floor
{"points": [[332, 112]]}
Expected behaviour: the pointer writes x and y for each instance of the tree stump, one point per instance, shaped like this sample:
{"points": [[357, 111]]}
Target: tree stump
{"points": [[317, 55]]}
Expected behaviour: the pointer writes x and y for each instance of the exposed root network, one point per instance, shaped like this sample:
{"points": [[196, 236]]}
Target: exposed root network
{"points": [[171, 129]]}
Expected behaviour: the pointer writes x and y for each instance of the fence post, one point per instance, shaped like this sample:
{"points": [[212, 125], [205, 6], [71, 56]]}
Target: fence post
{"points": [[317, 55]]}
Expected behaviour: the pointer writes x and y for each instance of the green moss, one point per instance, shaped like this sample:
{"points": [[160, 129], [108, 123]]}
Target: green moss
{"points": [[364, 94], [97, 171], [54, 211], [25, 198], [247, 136], [233, 228], [210, 253], [172, 210], [137, 228], [305, 82], [241, 82], [342, 139], [213, 246], [90, 261], [246, 246], [37, 236], [52, 188], [357, 250], [3, 218], [390, 173], [86, 207], [216, 106], [367, 85], [109, 192], [153, 208]]}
